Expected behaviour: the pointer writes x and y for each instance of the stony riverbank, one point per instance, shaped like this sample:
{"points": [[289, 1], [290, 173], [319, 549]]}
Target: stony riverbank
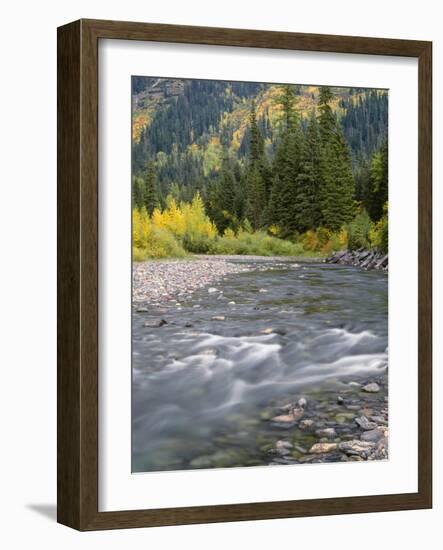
{"points": [[366, 259], [350, 424], [167, 281]]}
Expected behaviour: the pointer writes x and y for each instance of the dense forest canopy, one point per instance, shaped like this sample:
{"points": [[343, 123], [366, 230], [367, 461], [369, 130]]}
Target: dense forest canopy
{"points": [[285, 159]]}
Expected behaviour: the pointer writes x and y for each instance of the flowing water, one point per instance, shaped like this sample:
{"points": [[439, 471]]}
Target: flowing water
{"points": [[204, 389]]}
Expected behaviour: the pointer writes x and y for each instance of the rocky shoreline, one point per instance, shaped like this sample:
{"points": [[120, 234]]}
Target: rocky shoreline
{"points": [[349, 425], [160, 282], [168, 281], [364, 258]]}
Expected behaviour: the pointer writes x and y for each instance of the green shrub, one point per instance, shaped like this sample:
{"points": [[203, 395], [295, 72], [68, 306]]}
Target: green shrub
{"points": [[379, 234], [359, 230]]}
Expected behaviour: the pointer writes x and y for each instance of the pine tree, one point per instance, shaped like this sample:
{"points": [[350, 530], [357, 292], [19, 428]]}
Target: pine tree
{"points": [[224, 204], [282, 207], [337, 186], [138, 192], [256, 198], [378, 195], [151, 199], [307, 208], [257, 175]]}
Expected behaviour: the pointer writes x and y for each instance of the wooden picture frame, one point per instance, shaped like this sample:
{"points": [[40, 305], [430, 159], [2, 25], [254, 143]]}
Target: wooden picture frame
{"points": [[78, 274]]}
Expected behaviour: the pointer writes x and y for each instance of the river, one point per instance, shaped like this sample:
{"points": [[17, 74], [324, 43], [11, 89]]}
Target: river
{"points": [[207, 383]]}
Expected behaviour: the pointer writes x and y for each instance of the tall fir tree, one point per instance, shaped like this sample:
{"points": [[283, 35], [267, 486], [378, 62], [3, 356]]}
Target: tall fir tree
{"points": [[225, 196], [307, 208], [151, 198], [378, 195], [138, 192], [287, 162], [257, 175], [337, 186]]}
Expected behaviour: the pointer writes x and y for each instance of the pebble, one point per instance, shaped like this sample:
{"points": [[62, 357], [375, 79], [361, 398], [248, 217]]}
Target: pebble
{"points": [[218, 318]]}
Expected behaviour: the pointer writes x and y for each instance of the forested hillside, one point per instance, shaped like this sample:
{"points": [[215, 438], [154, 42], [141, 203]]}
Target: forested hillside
{"points": [[299, 162]]}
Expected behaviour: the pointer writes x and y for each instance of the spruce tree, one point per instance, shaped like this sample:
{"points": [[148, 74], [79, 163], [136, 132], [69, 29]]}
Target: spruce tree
{"points": [[257, 175], [337, 186], [138, 192], [379, 182], [225, 197], [307, 208], [287, 162], [151, 199]]}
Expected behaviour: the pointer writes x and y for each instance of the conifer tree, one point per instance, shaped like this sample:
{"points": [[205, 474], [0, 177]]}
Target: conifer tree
{"points": [[224, 203], [151, 199], [138, 192], [307, 208], [256, 198], [282, 207], [257, 175], [337, 186], [378, 195]]}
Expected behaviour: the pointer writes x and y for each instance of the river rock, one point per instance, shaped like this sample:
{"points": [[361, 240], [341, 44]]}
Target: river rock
{"points": [[306, 424], [372, 435], [356, 447], [212, 290], [155, 324], [218, 318], [365, 424], [283, 447], [329, 433], [373, 387], [302, 402], [289, 420], [340, 400], [319, 448]]}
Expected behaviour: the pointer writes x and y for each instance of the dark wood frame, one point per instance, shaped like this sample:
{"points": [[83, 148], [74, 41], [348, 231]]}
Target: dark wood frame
{"points": [[77, 456]]}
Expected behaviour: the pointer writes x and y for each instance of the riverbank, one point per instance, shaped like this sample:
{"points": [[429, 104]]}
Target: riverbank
{"points": [[167, 281], [366, 259]]}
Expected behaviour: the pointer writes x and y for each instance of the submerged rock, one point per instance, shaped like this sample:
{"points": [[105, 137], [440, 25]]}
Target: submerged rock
{"points": [[330, 433], [306, 424]]}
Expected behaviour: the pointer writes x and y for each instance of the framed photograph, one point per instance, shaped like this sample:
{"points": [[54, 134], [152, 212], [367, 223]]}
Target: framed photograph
{"points": [[244, 274]]}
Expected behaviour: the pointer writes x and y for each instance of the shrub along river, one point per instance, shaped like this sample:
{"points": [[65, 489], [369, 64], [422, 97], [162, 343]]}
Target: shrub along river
{"points": [[283, 363]]}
